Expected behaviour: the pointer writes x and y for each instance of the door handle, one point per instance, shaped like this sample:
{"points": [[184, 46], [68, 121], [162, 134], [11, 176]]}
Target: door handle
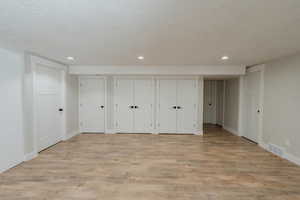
{"points": [[136, 107], [102, 107], [178, 107], [60, 110], [132, 107], [174, 107]]}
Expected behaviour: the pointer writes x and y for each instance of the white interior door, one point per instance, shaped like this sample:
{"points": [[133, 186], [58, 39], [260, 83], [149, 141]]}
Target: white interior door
{"points": [[92, 105], [167, 102], [143, 101], [187, 106], [209, 113], [124, 103], [252, 100], [49, 100]]}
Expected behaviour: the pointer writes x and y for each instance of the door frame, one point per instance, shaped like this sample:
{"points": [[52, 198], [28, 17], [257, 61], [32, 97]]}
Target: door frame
{"points": [[134, 77], [242, 106], [105, 99], [34, 61]]}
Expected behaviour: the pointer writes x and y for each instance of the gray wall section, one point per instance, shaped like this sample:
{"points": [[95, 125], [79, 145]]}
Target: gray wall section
{"points": [[72, 92], [28, 106], [231, 113], [282, 104]]}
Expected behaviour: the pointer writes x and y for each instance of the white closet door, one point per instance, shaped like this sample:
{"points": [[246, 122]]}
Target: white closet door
{"points": [[187, 106], [123, 102], [252, 105], [167, 99], [210, 94], [49, 101], [143, 99], [92, 105]]}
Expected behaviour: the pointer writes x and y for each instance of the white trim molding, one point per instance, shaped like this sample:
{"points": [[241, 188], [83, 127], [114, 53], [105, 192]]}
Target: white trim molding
{"points": [[292, 158], [200, 132], [70, 135], [13, 164], [30, 156], [285, 155], [110, 131], [158, 70], [231, 130]]}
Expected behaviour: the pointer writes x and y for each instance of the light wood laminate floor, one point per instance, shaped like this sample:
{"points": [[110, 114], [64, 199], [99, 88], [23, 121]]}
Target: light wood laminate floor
{"points": [[218, 166]]}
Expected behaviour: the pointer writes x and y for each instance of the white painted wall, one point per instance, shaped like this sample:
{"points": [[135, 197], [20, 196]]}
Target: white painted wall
{"points": [[72, 92], [282, 105], [28, 108], [11, 136], [231, 108]]}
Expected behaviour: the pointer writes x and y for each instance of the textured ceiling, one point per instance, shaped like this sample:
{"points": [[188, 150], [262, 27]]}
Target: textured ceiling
{"points": [[166, 32]]}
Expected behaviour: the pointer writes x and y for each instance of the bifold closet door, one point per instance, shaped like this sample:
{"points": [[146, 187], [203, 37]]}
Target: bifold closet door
{"points": [[177, 106], [143, 98], [49, 102], [167, 102], [92, 105], [187, 106], [124, 102]]}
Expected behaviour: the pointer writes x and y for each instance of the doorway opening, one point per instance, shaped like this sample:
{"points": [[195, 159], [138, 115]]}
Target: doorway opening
{"points": [[221, 104], [213, 108]]}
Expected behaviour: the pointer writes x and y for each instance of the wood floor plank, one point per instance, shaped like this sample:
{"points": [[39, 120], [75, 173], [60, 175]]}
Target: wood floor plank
{"points": [[218, 166]]}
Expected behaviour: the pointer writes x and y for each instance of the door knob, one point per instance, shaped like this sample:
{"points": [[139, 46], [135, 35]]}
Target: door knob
{"points": [[102, 107], [175, 107], [131, 107], [136, 107], [60, 110], [178, 107]]}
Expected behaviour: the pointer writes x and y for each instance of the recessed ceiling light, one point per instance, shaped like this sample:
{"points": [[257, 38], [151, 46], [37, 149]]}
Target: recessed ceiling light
{"points": [[225, 58], [141, 57], [70, 58]]}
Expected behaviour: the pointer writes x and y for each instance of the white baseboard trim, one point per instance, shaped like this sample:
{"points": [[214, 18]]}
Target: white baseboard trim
{"points": [[264, 146], [30, 156], [10, 166], [231, 130], [199, 132], [292, 158], [110, 131], [286, 156], [70, 135]]}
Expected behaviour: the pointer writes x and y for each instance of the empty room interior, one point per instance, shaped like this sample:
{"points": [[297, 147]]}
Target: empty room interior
{"points": [[149, 100]]}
